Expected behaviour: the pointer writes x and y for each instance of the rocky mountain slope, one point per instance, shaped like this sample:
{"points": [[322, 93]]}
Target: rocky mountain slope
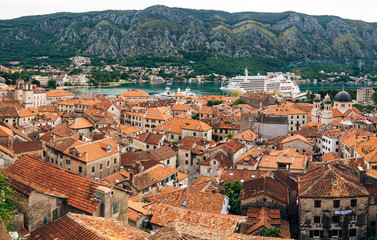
{"points": [[163, 31]]}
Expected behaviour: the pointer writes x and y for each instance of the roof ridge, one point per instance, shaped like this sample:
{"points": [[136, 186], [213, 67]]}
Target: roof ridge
{"points": [[83, 225], [315, 182], [344, 179]]}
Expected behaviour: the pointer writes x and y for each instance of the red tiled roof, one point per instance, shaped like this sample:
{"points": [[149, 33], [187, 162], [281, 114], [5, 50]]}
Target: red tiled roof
{"points": [[25, 147], [83, 227], [150, 138], [195, 200], [223, 160], [330, 179], [266, 186], [217, 222], [29, 174]]}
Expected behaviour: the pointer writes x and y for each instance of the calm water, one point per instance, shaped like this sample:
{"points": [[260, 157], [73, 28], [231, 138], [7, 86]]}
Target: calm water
{"points": [[204, 88]]}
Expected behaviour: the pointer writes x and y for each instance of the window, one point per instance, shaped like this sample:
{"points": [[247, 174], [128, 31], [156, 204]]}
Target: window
{"points": [[353, 202], [335, 219], [108, 163], [168, 161], [147, 146], [115, 208], [335, 233], [209, 170], [317, 203], [67, 161], [54, 214], [93, 169], [352, 232], [353, 218], [194, 134], [80, 169], [186, 154], [115, 161], [172, 137], [316, 234], [100, 166], [317, 219], [336, 203]]}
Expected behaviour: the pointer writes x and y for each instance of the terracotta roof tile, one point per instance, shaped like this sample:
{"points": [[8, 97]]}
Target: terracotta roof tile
{"points": [[33, 173], [231, 175], [176, 125], [83, 227], [224, 161], [62, 130], [25, 147], [297, 137], [195, 200], [217, 222], [80, 123], [330, 156], [182, 230], [330, 179], [158, 154], [135, 93], [152, 176], [266, 186], [150, 138], [247, 135], [9, 112], [58, 93]]}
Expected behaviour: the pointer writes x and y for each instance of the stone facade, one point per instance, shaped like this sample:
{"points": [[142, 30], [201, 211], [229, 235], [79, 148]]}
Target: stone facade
{"points": [[323, 222]]}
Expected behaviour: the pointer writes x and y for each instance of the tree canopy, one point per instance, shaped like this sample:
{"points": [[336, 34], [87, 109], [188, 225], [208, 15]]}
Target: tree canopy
{"points": [[232, 191], [7, 202]]}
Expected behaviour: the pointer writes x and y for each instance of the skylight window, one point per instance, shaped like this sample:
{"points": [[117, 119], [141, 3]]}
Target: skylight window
{"points": [[165, 200], [242, 180], [184, 204], [335, 182], [253, 176], [231, 174]]}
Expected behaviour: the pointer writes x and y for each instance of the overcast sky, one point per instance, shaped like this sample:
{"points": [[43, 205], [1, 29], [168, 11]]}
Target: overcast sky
{"points": [[352, 9]]}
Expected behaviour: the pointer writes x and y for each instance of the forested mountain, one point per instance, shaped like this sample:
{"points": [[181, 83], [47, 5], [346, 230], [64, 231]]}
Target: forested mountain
{"points": [[161, 31]]}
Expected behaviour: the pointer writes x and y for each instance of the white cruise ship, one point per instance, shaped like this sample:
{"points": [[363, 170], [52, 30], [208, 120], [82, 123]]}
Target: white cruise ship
{"points": [[241, 84]]}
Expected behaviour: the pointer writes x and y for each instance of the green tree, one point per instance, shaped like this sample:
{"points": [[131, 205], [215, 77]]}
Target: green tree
{"points": [[374, 97], [237, 101], [211, 103], [272, 232], [7, 202], [229, 136], [51, 84], [195, 116], [232, 191], [36, 82]]}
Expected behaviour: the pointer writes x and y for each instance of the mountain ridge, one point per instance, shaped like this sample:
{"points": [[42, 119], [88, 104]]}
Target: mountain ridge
{"points": [[178, 32]]}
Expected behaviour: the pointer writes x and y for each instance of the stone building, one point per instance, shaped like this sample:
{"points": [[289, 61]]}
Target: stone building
{"points": [[332, 201], [258, 99], [46, 192], [298, 143], [94, 159]]}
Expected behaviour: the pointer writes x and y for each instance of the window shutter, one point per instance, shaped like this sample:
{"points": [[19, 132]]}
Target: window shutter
{"points": [[321, 234], [311, 234], [340, 233]]}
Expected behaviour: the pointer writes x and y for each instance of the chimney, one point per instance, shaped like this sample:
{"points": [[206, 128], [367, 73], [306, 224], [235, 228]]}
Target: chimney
{"points": [[361, 176], [131, 178]]}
